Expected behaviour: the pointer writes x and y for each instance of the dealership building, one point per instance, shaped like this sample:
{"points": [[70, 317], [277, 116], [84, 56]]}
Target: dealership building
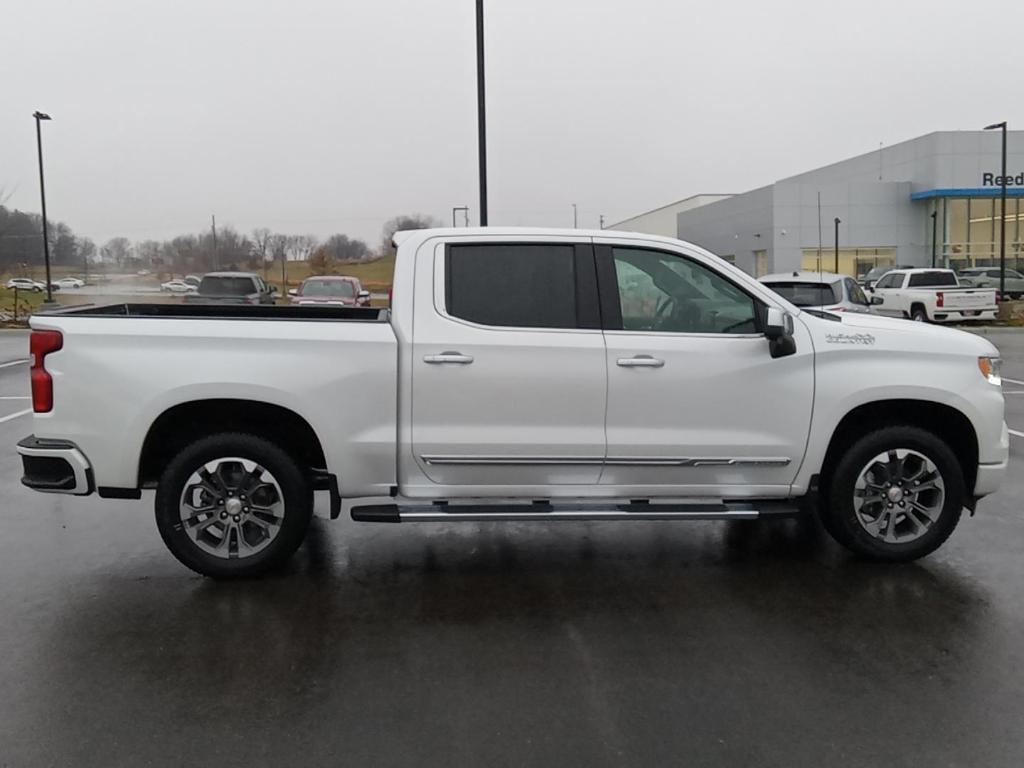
{"points": [[933, 198]]}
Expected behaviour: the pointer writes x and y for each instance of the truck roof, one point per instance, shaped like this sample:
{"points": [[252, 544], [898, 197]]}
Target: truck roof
{"points": [[505, 232]]}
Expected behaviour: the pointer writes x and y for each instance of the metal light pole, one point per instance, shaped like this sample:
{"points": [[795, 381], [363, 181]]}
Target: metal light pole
{"points": [[465, 213], [1002, 217], [600, 221], [837, 244], [574, 217], [40, 116], [480, 111], [935, 224]]}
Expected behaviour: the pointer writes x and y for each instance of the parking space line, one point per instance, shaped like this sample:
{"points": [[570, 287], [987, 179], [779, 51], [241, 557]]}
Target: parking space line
{"points": [[29, 410], [26, 397], [22, 362], [1014, 432], [1012, 381]]}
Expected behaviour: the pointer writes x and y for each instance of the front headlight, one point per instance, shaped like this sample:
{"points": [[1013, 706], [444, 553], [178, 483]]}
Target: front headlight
{"points": [[990, 367]]}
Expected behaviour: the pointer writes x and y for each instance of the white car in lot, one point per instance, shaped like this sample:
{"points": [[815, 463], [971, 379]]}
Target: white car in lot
{"points": [[70, 282], [177, 286], [25, 284], [823, 291], [520, 375], [931, 295]]}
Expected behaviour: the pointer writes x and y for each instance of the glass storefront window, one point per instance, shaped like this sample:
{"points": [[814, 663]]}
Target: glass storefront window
{"points": [[972, 231], [852, 261]]}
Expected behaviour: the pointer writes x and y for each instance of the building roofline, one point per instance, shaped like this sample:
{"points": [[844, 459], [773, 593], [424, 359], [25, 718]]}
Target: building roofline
{"points": [[669, 205]]}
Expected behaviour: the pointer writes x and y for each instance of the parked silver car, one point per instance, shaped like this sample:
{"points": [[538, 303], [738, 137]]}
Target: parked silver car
{"points": [[819, 290], [988, 277]]}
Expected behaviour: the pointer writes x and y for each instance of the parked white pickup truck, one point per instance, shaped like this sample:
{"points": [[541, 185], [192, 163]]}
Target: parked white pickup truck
{"points": [[933, 295], [521, 374]]}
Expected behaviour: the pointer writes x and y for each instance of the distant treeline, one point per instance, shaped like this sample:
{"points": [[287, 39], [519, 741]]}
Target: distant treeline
{"points": [[21, 246]]}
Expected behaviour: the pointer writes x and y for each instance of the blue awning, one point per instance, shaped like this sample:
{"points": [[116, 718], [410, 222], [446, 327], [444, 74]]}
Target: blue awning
{"points": [[928, 194]]}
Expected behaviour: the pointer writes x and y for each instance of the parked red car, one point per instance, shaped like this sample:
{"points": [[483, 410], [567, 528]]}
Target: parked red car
{"points": [[331, 289]]}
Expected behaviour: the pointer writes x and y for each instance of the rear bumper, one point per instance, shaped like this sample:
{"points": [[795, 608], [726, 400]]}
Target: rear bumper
{"points": [[956, 315], [55, 466]]}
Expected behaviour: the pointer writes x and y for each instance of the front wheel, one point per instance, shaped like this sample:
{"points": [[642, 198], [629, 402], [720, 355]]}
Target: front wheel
{"points": [[896, 495], [233, 505]]}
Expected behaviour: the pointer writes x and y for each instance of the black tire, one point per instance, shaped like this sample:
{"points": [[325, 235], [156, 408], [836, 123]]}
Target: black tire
{"points": [[295, 492], [840, 517], [917, 314]]}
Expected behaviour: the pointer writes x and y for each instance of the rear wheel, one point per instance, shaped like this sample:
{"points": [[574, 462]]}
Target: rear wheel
{"points": [[233, 505], [918, 315], [896, 495]]}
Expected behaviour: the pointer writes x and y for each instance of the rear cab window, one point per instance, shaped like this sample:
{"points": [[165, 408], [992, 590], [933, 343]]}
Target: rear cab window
{"points": [[806, 294], [932, 279], [220, 285]]}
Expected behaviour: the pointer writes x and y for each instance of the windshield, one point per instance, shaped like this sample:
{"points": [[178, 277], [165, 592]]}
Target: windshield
{"points": [[340, 288], [226, 286], [876, 272], [808, 294], [932, 279]]}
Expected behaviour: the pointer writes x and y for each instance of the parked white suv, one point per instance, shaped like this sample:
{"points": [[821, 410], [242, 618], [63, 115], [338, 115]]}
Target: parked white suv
{"points": [[522, 374], [825, 291]]}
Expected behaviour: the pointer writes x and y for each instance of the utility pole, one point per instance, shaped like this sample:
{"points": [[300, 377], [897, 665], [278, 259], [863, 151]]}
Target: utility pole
{"points": [[600, 220], [1002, 218], [935, 221], [213, 226], [480, 111], [40, 116], [574, 218], [837, 244]]}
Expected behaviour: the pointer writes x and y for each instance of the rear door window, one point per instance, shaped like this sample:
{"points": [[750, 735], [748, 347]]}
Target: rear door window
{"points": [[855, 292], [528, 285]]}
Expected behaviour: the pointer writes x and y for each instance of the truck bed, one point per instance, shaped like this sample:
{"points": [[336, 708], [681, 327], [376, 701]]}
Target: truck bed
{"points": [[225, 312]]}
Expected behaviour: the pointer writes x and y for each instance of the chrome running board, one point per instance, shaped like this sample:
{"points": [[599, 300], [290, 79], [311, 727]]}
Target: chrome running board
{"points": [[441, 512]]}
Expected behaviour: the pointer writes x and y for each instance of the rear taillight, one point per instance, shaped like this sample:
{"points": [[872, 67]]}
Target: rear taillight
{"points": [[391, 292], [940, 300], [40, 344]]}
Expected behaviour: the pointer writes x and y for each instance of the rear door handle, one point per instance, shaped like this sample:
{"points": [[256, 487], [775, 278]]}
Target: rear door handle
{"points": [[640, 361], [448, 357]]}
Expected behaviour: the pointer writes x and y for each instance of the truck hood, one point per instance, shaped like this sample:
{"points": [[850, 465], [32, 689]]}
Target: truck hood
{"points": [[893, 333]]}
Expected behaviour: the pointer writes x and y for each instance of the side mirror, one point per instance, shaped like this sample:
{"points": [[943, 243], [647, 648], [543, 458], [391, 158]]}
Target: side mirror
{"points": [[877, 300], [363, 295], [293, 291], [778, 329]]}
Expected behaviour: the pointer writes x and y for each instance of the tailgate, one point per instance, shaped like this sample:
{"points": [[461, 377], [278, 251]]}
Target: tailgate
{"points": [[979, 298]]}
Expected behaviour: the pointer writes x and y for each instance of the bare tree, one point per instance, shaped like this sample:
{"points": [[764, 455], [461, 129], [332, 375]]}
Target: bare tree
{"points": [[117, 250], [260, 242], [279, 246], [301, 247], [400, 223]]}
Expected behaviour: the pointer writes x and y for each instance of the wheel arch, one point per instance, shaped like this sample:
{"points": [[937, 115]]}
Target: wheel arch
{"points": [[185, 422], [944, 421]]}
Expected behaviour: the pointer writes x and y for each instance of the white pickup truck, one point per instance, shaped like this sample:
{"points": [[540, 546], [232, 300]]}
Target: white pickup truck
{"points": [[521, 374], [931, 295]]}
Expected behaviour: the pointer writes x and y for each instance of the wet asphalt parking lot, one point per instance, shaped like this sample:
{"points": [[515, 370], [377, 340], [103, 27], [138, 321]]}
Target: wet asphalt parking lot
{"points": [[589, 644]]}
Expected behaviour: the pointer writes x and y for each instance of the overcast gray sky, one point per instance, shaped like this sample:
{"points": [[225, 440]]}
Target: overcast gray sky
{"points": [[325, 116]]}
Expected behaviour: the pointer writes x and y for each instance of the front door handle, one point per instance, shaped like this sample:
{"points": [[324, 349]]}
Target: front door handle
{"points": [[448, 357], [640, 361]]}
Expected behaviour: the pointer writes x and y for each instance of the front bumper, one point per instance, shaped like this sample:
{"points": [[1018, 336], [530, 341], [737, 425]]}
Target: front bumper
{"points": [[990, 476], [55, 466]]}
